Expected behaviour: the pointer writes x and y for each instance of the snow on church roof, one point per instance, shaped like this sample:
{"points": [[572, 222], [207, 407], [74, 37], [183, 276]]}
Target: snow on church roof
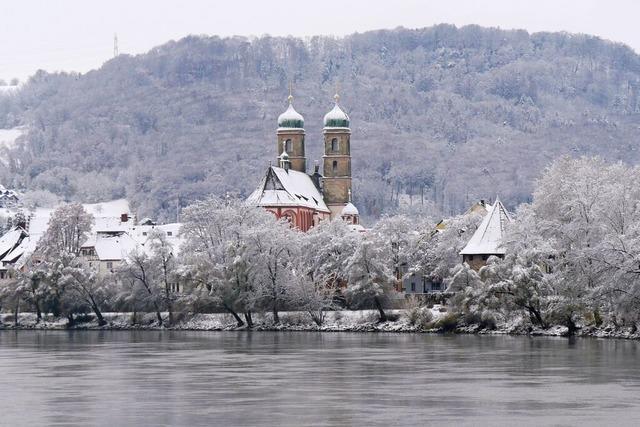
{"points": [[488, 237], [287, 188], [350, 209]]}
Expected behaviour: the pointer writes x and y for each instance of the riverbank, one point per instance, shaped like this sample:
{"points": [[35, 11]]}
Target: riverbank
{"points": [[432, 320]]}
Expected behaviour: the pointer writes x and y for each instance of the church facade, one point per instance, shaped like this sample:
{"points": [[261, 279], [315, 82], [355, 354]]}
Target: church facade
{"points": [[305, 199]]}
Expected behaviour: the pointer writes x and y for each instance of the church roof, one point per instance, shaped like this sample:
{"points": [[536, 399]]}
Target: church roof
{"points": [[488, 237], [350, 209], [281, 188]]}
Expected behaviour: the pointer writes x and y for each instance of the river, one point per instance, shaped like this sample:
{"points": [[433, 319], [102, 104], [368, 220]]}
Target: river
{"points": [[156, 378]]}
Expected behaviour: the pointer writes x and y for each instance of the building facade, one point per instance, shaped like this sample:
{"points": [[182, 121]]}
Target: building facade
{"points": [[288, 191]]}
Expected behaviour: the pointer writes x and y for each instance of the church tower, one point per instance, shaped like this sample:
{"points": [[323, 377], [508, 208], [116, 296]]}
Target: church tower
{"points": [[336, 159], [291, 137]]}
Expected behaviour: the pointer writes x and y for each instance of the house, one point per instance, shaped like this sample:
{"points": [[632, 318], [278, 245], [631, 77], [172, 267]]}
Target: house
{"points": [[487, 239], [113, 236], [8, 198], [288, 191], [415, 283]]}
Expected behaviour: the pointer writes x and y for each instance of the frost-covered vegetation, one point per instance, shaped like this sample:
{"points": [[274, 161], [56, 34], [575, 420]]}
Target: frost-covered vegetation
{"points": [[441, 116], [572, 264]]}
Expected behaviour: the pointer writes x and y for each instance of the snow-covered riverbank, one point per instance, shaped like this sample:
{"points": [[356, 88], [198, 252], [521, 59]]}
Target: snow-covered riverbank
{"points": [[337, 321]]}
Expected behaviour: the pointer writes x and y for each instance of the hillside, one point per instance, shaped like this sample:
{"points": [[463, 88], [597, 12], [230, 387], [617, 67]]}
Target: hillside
{"points": [[440, 114]]}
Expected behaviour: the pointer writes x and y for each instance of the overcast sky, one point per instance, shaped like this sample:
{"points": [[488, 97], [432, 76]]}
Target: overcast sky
{"points": [[78, 34]]}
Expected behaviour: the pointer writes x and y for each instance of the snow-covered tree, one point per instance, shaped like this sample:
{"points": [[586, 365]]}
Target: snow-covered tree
{"points": [[164, 264], [218, 255], [273, 247], [371, 275], [140, 282], [65, 277], [435, 252]]}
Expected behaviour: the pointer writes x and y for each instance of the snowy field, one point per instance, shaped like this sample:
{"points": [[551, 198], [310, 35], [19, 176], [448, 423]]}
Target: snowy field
{"points": [[8, 138]]}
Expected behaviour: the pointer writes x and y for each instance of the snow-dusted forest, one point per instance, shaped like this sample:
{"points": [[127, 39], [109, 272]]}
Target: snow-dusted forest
{"points": [[441, 116], [572, 259]]}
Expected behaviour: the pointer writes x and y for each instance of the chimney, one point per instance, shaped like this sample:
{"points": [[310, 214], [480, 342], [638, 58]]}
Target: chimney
{"points": [[124, 217]]}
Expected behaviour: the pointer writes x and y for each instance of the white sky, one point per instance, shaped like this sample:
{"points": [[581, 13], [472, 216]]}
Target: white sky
{"points": [[78, 34]]}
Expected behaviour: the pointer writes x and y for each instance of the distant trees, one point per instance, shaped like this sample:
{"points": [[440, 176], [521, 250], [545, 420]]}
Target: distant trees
{"points": [[443, 115]]}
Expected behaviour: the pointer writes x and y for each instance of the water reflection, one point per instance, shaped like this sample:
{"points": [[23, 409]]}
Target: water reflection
{"points": [[245, 378]]}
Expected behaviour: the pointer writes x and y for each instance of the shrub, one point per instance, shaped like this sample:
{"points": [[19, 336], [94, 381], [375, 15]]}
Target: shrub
{"points": [[447, 323]]}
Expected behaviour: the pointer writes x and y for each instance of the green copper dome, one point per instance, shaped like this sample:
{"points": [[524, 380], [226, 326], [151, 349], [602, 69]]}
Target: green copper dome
{"points": [[336, 118], [291, 119]]}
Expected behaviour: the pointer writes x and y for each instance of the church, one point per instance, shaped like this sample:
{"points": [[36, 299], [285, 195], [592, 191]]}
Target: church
{"points": [[304, 199]]}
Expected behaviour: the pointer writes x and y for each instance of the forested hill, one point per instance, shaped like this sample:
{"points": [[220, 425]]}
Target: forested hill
{"points": [[443, 114]]}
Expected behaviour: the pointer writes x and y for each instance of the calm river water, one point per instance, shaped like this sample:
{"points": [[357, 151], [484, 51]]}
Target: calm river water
{"points": [[335, 379]]}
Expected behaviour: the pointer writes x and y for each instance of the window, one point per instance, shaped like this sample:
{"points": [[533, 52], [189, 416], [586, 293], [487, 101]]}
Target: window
{"points": [[169, 233], [485, 257], [109, 265], [287, 146], [413, 287], [144, 233], [334, 144], [334, 166]]}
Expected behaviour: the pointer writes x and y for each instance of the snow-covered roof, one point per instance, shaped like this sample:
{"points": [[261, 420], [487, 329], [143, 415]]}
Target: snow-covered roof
{"points": [[107, 216], [357, 227], [350, 209], [10, 240], [21, 253], [336, 118], [282, 188], [290, 119], [488, 237], [140, 233], [114, 248]]}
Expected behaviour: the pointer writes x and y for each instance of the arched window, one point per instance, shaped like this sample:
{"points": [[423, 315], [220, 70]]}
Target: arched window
{"points": [[334, 166], [334, 144], [287, 146]]}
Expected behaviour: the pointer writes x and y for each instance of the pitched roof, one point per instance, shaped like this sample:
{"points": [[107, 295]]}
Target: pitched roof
{"points": [[11, 240], [114, 248], [488, 237], [282, 188]]}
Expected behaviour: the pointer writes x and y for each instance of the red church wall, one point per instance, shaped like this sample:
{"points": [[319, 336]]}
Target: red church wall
{"points": [[300, 218]]}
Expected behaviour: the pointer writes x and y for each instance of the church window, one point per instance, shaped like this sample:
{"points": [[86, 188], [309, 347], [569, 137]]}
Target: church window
{"points": [[334, 144], [334, 166], [287, 146]]}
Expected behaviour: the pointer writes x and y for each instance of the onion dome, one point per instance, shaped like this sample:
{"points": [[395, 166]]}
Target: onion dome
{"points": [[291, 118], [336, 118], [350, 209]]}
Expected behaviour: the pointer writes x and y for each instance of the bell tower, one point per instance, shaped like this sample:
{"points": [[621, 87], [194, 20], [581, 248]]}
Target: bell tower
{"points": [[291, 136], [336, 159]]}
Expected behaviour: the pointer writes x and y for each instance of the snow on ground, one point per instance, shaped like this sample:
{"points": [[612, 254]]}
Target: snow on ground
{"points": [[8, 138], [344, 320], [336, 321]]}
